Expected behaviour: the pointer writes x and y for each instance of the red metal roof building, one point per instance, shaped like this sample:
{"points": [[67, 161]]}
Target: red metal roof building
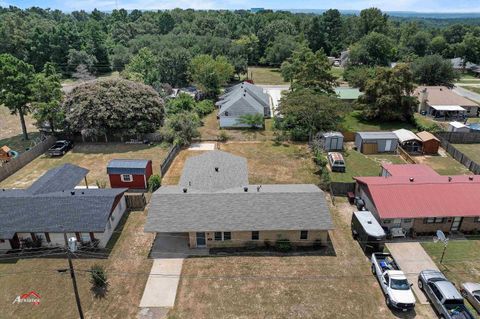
{"points": [[415, 197]]}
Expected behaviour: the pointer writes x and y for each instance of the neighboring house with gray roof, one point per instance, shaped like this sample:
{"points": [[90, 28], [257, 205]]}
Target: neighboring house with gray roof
{"points": [[215, 206], [52, 206], [242, 99]]}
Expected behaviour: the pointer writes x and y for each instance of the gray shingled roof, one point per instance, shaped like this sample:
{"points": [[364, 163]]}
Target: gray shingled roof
{"points": [[378, 135], [274, 207], [199, 171], [71, 210], [127, 166], [244, 98], [60, 178]]}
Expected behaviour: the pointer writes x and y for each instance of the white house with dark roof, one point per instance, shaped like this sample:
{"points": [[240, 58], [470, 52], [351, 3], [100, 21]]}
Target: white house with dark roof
{"points": [[242, 99], [52, 206], [215, 206]]}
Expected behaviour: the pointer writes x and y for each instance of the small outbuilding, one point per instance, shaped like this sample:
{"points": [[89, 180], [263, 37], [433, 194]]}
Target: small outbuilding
{"points": [[408, 140], [376, 142], [430, 143], [458, 127], [331, 141], [129, 173]]}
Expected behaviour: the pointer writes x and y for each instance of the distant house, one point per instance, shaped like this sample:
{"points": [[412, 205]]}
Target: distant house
{"points": [[430, 144], [344, 58], [52, 206], [417, 199], [347, 94], [442, 103], [457, 64], [129, 173], [242, 99], [408, 140], [458, 127], [215, 206], [376, 142]]}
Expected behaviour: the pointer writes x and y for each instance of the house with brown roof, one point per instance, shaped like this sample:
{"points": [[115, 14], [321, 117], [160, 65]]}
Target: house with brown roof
{"points": [[416, 199], [443, 103]]}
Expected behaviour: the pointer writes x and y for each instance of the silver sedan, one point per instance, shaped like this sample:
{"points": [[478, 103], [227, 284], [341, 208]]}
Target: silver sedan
{"points": [[471, 291]]}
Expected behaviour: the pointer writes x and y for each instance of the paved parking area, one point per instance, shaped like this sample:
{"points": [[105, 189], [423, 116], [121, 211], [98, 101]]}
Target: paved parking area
{"points": [[412, 259]]}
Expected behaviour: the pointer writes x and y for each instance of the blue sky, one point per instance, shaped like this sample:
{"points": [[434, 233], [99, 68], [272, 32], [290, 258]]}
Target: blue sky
{"points": [[468, 6]]}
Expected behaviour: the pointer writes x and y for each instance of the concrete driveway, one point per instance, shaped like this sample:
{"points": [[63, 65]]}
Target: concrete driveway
{"points": [[412, 259], [275, 92]]}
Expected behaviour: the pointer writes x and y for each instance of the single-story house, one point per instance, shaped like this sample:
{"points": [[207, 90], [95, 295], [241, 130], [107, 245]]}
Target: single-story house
{"points": [[331, 141], [52, 206], [376, 142], [215, 206], [242, 99], [419, 200], [129, 173], [457, 127], [408, 140], [457, 64], [347, 94], [443, 103], [430, 144]]}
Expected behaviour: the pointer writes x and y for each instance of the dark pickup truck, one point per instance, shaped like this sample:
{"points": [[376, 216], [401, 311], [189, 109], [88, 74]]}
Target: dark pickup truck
{"points": [[443, 295], [60, 148]]}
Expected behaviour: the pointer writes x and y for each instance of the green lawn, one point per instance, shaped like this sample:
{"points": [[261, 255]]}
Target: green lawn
{"points": [[17, 143], [443, 165], [471, 150], [354, 122], [262, 75], [363, 165], [475, 89], [338, 72]]}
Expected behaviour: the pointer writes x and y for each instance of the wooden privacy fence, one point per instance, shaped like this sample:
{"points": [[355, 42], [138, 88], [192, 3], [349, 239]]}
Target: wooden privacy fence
{"points": [[460, 157], [341, 189], [460, 137], [23, 159], [172, 153], [135, 201], [405, 155]]}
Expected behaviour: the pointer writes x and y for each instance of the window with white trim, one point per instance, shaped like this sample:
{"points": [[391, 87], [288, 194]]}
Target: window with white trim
{"points": [[434, 220], [304, 234], [255, 235], [227, 235], [218, 235], [407, 220], [387, 221], [126, 178]]}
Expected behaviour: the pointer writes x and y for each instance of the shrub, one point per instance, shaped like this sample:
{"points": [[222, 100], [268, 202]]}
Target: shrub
{"points": [[101, 184], [320, 159], [325, 180], [204, 107], [154, 182], [223, 136], [283, 245], [267, 243], [99, 281]]}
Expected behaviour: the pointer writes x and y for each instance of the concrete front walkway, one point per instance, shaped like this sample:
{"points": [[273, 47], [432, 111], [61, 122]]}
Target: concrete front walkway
{"points": [[412, 259], [162, 283]]}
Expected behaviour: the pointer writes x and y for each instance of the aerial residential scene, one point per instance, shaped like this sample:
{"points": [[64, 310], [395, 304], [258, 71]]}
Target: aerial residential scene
{"points": [[240, 159]]}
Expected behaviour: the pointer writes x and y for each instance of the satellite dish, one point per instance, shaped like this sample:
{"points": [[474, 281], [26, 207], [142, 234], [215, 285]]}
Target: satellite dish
{"points": [[441, 236]]}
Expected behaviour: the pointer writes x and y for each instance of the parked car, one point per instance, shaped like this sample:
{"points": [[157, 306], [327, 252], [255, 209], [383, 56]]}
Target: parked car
{"points": [[60, 148], [394, 283], [368, 232], [444, 297], [471, 292], [336, 161]]}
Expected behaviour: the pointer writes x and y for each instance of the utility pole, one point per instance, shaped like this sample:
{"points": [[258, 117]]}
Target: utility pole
{"points": [[72, 275]]}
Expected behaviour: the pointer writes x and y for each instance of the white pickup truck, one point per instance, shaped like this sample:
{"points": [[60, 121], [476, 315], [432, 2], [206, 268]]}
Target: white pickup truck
{"points": [[394, 283]]}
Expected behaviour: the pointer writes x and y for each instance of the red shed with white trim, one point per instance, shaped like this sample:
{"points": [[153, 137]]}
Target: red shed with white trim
{"points": [[129, 173]]}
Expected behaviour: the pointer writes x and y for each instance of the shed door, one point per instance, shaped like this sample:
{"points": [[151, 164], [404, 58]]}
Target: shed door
{"points": [[334, 143], [388, 145], [370, 148]]}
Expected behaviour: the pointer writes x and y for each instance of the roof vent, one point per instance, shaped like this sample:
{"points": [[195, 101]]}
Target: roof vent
{"points": [[72, 193], [83, 193], [216, 169], [470, 178], [184, 190], [369, 222], [449, 178], [245, 189], [412, 179]]}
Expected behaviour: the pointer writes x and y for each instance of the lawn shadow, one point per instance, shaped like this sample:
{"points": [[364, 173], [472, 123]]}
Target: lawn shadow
{"points": [[109, 148], [117, 232]]}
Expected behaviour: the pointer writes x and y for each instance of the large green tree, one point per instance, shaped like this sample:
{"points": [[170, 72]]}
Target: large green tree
{"points": [[389, 95], [113, 107], [306, 69], [209, 73], [433, 70], [372, 20], [47, 98], [144, 64], [304, 112], [16, 78], [375, 49]]}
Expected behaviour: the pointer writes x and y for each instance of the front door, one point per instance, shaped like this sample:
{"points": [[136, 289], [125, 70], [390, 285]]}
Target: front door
{"points": [[456, 223], [201, 242]]}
